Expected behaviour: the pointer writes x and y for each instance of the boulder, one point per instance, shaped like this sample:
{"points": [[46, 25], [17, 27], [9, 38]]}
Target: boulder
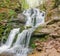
{"points": [[20, 19]]}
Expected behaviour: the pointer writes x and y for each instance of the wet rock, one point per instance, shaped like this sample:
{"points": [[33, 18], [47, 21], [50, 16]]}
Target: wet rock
{"points": [[53, 29], [38, 34], [43, 32], [46, 31], [20, 18], [7, 54]]}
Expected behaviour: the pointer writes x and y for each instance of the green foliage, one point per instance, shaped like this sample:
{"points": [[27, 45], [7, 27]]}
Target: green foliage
{"points": [[7, 31], [7, 15], [4, 31], [9, 4], [8, 8], [3, 16], [11, 12], [1, 30], [24, 4], [33, 45]]}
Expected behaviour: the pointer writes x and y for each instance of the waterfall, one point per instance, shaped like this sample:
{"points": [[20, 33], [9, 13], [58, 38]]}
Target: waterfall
{"points": [[21, 37], [34, 2], [21, 46], [9, 40], [12, 36], [34, 17]]}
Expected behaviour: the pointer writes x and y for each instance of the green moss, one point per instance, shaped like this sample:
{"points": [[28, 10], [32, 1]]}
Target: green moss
{"points": [[38, 29], [3, 16], [32, 42], [33, 46], [11, 12], [22, 28], [27, 27]]}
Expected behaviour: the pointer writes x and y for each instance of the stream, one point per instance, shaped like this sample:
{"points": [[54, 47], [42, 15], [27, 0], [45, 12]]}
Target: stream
{"points": [[35, 18]]}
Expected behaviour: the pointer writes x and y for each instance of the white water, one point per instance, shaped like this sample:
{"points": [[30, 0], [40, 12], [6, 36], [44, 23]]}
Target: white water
{"points": [[9, 40], [21, 37], [34, 3], [21, 46], [12, 36], [34, 15]]}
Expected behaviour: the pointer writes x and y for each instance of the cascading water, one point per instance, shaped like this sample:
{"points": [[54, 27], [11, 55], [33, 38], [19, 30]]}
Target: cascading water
{"points": [[9, 40], [21, 46], [34, 16], [34, 19], [12, 36]]}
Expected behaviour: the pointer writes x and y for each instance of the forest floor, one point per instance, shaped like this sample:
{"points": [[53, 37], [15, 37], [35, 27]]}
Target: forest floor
{"points": [[50, 48]]}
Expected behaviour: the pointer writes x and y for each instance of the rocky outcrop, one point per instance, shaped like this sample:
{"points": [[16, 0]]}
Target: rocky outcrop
{"points": [[51, 28], [17, 22], [20, 19]]}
